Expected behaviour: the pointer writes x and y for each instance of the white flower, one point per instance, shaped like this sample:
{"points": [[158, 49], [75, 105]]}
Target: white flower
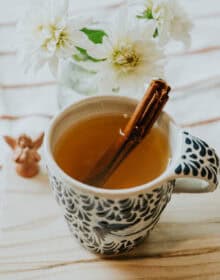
{"points": [[48, 34], [132, 57], [171, 20]]}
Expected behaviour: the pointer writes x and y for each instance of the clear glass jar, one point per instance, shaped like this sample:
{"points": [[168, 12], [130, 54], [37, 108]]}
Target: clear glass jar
{"points": [[75, 82]]}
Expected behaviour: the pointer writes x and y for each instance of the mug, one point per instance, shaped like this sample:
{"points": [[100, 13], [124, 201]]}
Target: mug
{"points": [[113, 222]]}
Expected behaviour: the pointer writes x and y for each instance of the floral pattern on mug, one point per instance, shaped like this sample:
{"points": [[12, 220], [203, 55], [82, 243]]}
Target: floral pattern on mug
{"points": [[111, 226], [198, 160]]}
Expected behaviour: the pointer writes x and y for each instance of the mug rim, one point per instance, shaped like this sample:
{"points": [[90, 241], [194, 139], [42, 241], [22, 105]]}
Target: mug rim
{"points": [[52, 164]]}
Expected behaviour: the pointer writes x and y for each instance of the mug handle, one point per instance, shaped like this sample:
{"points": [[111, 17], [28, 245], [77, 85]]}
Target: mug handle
{"points": [[200, 163]]}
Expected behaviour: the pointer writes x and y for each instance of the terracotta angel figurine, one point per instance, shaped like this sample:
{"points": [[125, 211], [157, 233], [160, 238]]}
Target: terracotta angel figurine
{"points": [[26, 155]]}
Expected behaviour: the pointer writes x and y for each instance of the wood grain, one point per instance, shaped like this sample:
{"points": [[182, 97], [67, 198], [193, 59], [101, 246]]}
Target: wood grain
{"points": [[184, 245], [27, 85], [7, 53], [16, 118], [203, 50]]}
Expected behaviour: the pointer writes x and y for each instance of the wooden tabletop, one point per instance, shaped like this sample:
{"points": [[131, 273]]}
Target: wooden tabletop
{"points": [[34, 240]]}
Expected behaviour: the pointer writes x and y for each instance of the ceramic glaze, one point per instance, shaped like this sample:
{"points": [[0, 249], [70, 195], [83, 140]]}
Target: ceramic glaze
{"points": [[114, 221]]}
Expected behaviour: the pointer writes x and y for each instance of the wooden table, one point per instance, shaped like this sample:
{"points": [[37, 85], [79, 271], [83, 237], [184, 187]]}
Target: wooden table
{"points": [[34, 240]]}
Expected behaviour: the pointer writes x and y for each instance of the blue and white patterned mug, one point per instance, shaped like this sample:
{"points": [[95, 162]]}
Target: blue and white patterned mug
{"points": [[114, 221]]}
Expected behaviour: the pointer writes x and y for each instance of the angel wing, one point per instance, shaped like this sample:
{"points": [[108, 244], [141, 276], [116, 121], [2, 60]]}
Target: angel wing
{"points": [[38, 141], [10, 141]]}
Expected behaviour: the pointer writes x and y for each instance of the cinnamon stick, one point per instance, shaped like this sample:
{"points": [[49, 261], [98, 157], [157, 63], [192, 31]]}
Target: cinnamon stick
{"points": [[138, 126]]}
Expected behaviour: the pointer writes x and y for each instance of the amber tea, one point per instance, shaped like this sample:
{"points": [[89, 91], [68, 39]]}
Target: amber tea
{"points": [[84, 143]]}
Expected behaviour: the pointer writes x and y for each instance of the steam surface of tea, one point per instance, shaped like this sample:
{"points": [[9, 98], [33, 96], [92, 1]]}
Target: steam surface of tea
{"points": [[84, 143]]}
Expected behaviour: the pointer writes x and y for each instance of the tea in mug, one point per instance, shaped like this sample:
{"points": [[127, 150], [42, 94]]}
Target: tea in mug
{"points": [[80, 147]]}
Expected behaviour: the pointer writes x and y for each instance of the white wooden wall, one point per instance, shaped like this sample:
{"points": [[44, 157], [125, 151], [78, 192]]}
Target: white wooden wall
{"points": [[34, 240]]}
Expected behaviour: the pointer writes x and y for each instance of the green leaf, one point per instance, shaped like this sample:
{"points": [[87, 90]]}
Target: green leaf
{"points": [[156, 33], [94, 35], [116, 90], [84, 56], [147, 14]]}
